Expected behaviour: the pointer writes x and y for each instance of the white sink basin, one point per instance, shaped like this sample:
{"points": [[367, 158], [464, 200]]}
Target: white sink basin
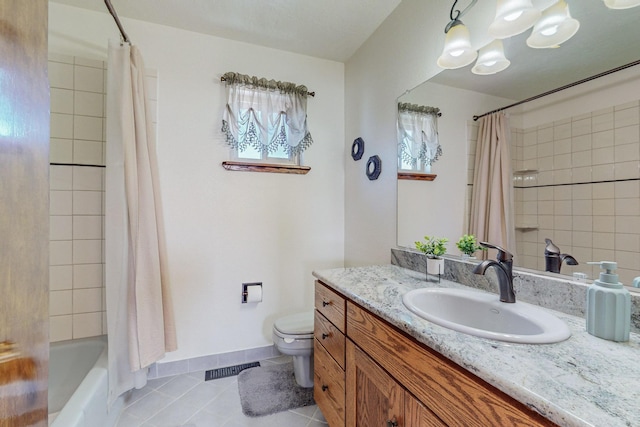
{"points": [[483, 315]]}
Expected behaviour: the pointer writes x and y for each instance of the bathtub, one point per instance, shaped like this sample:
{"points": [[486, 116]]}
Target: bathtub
{"points": [[78, 384]]}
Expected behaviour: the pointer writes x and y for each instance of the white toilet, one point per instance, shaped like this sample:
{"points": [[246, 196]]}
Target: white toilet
{"points": [[293, 335]]}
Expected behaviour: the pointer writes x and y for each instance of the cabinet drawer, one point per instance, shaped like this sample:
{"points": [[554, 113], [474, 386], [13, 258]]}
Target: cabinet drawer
{"points": [[331, 305], [328, 386], [330, 338], [452, 393]]}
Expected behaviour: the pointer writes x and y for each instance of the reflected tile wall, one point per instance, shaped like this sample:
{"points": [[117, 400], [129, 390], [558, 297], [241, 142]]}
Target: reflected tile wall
{"points": [[585, 195]]}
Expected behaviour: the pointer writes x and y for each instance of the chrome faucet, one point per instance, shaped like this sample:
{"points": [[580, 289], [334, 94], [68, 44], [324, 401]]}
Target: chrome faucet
{"points": [[553, 259], [504, 266]]}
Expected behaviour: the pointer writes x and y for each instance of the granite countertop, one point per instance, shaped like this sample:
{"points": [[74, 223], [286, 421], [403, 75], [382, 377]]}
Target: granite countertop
{"points": [[583, 381]]}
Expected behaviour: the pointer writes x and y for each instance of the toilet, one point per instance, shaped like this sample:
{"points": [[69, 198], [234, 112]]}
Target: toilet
{"points": [[293, 335]]}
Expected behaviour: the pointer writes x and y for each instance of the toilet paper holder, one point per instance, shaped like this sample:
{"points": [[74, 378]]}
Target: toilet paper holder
{"points": [[245, 290]]}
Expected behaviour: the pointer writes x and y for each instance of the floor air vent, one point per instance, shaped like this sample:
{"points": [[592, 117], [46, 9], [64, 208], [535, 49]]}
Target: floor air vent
{"points": [[229, 371]]}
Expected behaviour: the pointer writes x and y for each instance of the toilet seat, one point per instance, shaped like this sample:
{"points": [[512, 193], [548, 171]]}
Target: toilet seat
{"points": [[295, 326]]}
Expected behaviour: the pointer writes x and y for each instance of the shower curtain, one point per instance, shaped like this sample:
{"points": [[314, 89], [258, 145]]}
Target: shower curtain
{"points": [[491, 218], [139, 309]]}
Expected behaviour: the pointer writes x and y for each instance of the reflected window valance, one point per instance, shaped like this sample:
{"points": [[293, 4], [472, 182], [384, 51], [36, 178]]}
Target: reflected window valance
{"points": [[418, 144], [265, 114]]}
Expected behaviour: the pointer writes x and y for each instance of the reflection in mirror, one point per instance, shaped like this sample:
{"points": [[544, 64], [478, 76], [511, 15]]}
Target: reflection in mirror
{"points": [[575, 154], [418, 145]]}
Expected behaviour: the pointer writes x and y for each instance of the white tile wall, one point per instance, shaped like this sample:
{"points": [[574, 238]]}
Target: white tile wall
{"points": [[76, 194], [77, 291]]}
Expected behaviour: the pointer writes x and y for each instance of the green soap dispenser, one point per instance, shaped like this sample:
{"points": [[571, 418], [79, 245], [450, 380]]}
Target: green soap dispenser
{"points": [[608, 305]]}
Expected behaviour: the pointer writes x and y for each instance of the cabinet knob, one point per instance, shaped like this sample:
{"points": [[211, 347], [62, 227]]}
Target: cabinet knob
{"points": [[325, 336], [325, 303], [325, 387], [392, 422]]}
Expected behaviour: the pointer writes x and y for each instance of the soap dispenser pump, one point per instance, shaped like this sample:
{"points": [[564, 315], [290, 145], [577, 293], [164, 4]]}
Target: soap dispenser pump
{"points": [[608, 305]]}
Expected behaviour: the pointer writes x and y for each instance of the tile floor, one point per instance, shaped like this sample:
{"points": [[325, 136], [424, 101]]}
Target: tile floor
{"points": [[189, 401]]}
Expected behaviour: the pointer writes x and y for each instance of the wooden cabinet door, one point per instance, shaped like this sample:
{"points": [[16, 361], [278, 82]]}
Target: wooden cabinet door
{"points": [[373, 397], [418, 415]]}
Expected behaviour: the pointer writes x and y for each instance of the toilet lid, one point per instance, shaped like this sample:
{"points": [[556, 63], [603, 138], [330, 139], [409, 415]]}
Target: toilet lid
{"points": [[295, 324]]}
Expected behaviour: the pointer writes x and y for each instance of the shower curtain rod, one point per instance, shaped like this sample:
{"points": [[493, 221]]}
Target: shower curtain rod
{"points": [[588, 79], [113, 13]]}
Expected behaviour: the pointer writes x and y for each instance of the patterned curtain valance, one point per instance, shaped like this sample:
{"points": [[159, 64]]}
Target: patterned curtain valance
{"points": [[418, 144], [418, 108], [265, 114], [261, 82]]}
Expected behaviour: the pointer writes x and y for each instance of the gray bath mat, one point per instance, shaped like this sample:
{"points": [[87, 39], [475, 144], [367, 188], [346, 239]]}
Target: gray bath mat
{"points": [[269, 389]]}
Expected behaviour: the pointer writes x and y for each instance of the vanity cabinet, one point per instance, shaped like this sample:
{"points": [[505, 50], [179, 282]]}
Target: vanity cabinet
{"points": [[452, 394], [329, 354], [387, 378]]}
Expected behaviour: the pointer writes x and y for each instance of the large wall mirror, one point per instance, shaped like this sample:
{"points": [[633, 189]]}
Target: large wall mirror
{"points": [[575, 154]]}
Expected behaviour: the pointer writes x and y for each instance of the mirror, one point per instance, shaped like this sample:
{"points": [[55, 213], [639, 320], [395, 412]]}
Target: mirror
{"points": [[576, 153]]}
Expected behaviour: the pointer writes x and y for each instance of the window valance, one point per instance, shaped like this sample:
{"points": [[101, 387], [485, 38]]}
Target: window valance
{"points": [[418, 143], [265, 114]]}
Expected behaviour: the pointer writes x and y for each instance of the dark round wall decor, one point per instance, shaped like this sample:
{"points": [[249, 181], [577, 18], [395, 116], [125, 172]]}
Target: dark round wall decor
{"points": [[374, 167], [357, 148]]}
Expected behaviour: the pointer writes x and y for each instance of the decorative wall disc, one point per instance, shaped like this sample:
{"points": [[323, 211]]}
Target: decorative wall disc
{"points": [[357, 148], [374, 167]]}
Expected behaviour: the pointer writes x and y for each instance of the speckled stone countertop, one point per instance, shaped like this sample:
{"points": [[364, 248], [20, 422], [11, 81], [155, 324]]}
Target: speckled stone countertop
{"points": [[583, 381]]}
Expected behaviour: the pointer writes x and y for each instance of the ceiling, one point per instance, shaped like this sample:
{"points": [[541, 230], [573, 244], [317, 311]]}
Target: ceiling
{"points": [[606, 39], [329, 29]]}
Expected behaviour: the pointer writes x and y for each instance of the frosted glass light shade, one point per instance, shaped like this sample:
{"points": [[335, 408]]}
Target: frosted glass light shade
{"points": [[491, 59], [543, 4], [621, 4], [457, 50], [513, 17], [554, 27]]}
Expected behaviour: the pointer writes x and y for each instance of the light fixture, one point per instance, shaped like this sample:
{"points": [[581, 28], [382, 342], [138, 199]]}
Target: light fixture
{"points": [[621, 4], [513, 17], [554, 27], [491, 59], [457, 50]]}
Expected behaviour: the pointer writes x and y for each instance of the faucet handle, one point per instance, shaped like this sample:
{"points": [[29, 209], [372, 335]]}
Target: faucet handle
{"points": [[503, 255]]}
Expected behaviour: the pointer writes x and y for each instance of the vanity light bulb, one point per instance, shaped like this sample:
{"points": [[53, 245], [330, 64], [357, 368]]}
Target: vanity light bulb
{"points": [[513, 16], [549, 31]]}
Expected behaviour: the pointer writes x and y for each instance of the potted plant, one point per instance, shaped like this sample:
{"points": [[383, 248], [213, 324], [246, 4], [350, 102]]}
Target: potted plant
{"points": [[433, 247], [468, 245]]}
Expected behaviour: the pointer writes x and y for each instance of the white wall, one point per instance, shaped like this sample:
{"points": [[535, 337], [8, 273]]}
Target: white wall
{"points": [[225, 228], [400, 55]]}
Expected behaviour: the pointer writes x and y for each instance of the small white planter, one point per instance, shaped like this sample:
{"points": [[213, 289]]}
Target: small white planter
{"points": [[435, 266]]}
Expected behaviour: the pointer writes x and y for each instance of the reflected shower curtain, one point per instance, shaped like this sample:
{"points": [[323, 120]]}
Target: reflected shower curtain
{"points": [[491, 218], [139, 310]]}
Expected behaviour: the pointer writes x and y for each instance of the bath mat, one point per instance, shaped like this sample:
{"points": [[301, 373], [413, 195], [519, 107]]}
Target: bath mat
{"points": [[270, 389], [229, 371]]}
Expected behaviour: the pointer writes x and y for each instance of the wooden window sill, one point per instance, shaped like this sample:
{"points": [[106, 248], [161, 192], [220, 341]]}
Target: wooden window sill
{"points": [[265, 167], [417, 176]]}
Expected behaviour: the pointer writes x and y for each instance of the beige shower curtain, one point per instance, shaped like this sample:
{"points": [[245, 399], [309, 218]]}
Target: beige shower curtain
{"points": [[491, 218], [139, 308]]}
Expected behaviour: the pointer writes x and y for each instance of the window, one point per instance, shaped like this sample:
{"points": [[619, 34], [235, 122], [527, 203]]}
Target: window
{"points": [[418, 145], [265, 121]]}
